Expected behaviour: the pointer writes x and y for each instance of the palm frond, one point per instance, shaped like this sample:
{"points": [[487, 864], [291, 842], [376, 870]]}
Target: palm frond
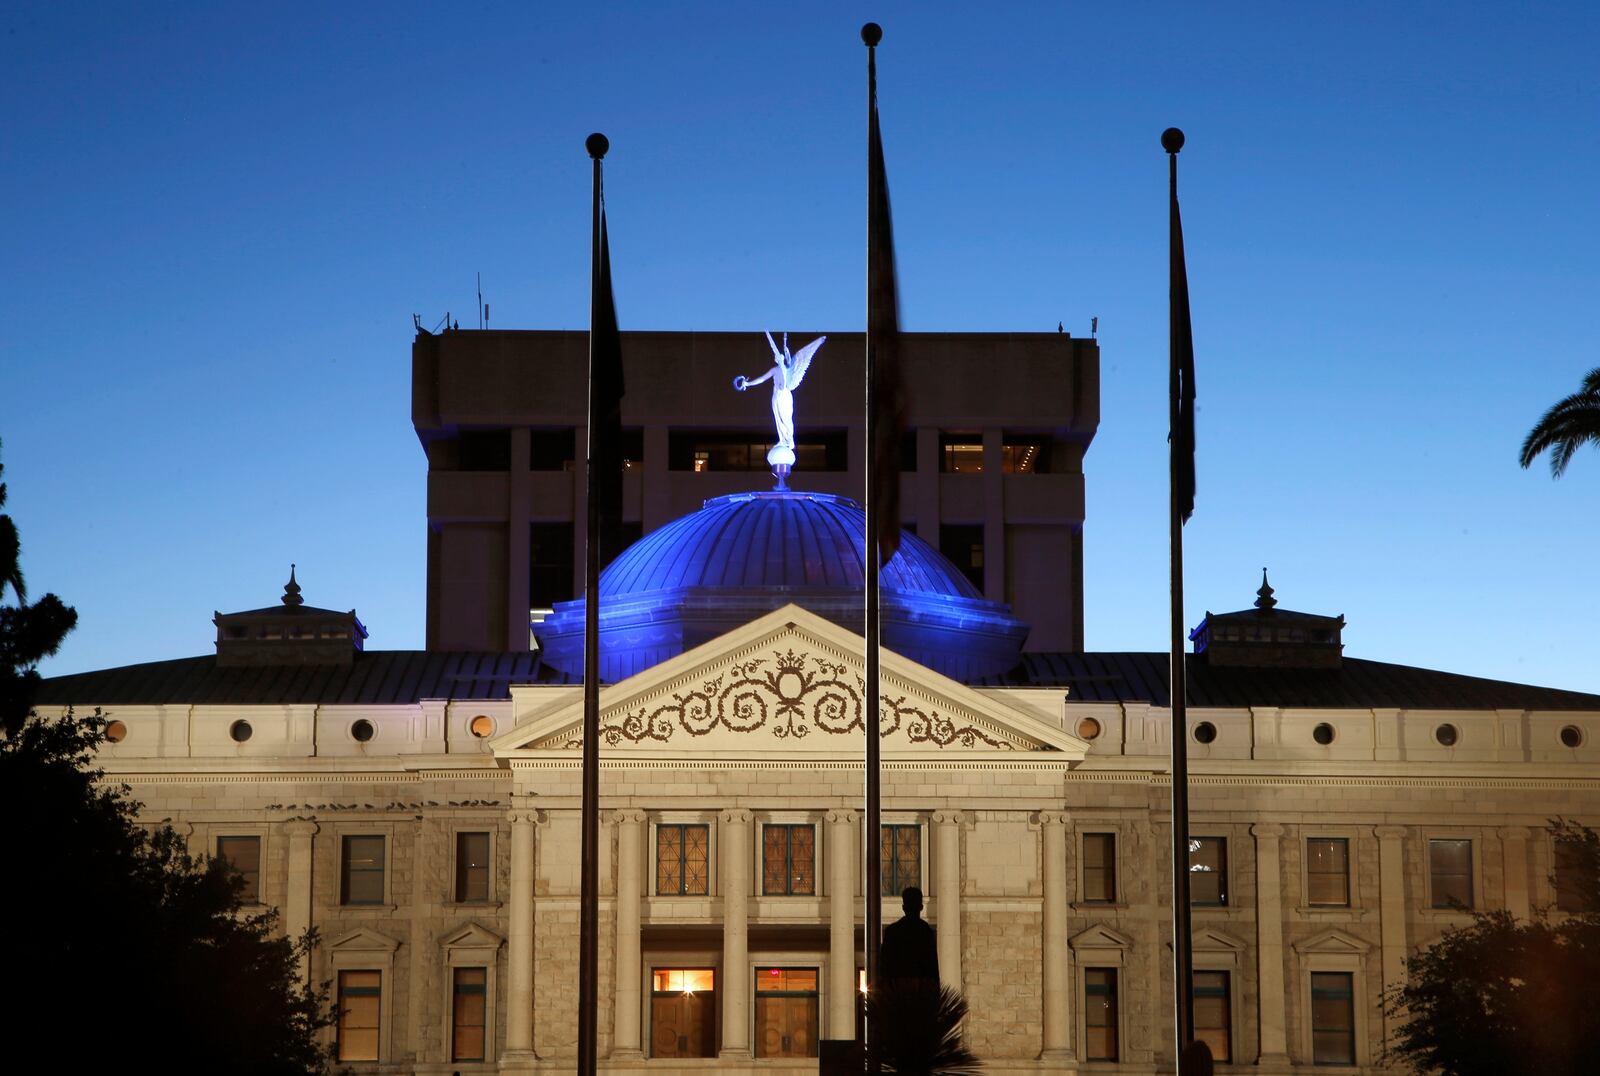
{"points": [[918, 1029], [1569, 425]]}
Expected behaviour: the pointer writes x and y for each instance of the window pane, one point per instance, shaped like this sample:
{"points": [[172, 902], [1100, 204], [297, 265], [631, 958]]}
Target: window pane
{"points": [[1100, 1013], [363, 870], [669, 859], [1208, 871], [1327, 870], [1212, 1022], [1450, 873], [468, 1036], [243, 854], [696, 860], [1099, 867], [786, 1012], [472, 866], [1569, 874], [1333, 1040], [900, 849], [360, 998]]}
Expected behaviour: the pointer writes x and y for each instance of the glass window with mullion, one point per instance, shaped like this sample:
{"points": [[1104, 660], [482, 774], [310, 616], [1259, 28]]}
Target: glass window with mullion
{"points": [[788, 860], [1333, 1019], [1100, 1014], [1208, 872], [900, 858], [468, 1014], [682, 860], [1213, 1022], [362, 870], [1328, 871], [243, 855], [1099, 868], [1450, 873], [360, 1006], [472, 867]]}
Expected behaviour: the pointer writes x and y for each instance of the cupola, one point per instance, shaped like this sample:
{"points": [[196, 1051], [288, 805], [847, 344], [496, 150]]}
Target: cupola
{"points": [[290, 633], [1269, 637]]}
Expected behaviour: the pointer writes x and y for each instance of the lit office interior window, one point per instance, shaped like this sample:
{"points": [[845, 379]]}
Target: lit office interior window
{"points": [[1208, 871], [683, 1012]]}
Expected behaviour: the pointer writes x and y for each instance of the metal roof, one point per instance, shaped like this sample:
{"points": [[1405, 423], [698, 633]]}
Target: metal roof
{"points": [[1358, 684], [387, 677], [375, 677]]}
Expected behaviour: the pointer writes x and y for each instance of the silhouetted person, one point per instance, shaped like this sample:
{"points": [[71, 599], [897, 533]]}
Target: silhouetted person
{"points": [[910, 953]]}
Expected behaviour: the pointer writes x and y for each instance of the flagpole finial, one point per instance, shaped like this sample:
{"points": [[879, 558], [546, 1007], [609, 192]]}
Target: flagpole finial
{"points": [[1172, 140], [597, 144], [871, 33]]}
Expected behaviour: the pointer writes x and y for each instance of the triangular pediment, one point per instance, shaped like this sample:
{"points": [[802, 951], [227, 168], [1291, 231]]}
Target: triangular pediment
{"points": [[1099, 936], [1332, 942], [1211, 940], [363, 940], [793, 684], [471, 936]]}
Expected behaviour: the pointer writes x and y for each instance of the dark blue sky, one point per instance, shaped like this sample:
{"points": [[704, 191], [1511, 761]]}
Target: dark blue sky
{"points": [[220, 219]]}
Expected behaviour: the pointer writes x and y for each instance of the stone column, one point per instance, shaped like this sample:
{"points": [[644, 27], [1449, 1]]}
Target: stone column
{"points": [[1057, 992], [844, 853], [733, 847], [297, 907], [947, 893], [1514, 847], [519, 942], [1392, 914], [630, 891], [1269, 944]]}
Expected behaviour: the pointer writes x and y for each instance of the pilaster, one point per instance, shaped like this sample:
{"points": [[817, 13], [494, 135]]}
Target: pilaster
{"points": [[844, 852], [1057, 1040], [630, 891], [734, 850], [1269, 944]]}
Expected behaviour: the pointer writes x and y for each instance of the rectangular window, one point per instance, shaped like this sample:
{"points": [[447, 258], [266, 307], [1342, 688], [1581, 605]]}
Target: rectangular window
{"points": [[961, 453], [472, 867], [786, 1012], [1208, 871], [552, 450], [788, 860], [549, 564], [1023, 454], [1328, 871], [1100, 1014], [962, 544], [683, 860], [1213, 1022], [703, 450], [1333, 1018], [1450, 873], [1099, 868], [1572, 868], [485, 450], [243, 854], [900, 852], [683, 1012], [362, 871], [468, 1014], [360, 997]]}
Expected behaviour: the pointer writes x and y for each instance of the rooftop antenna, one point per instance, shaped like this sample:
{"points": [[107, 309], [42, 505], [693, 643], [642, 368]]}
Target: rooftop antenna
{"points": [[480, 301], [1094, 328]]}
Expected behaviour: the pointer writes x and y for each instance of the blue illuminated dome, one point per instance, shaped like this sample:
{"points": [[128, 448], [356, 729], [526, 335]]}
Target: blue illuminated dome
{"points": [[746, 554]]}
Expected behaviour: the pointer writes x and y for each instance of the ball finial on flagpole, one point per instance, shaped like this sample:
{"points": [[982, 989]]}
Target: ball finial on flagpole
{"points": [[871, 33], [1172, 140], [597, 144]]}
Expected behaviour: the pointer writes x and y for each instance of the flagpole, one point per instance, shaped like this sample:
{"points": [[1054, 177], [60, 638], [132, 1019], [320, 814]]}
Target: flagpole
{"points": [[871, 34], [1182, 940], [589, 923]]}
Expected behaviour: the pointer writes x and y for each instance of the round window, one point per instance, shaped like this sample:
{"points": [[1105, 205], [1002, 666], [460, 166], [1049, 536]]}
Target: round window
{"points": [[1088, 728], [1571, 736], [116, 732], [1205, 732], [240, 731], [362, 730], [1446, 735], [1323, 734], [481, 726]]}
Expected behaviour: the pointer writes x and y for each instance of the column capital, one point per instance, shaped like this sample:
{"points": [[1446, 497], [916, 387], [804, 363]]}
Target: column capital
{"points": [[526, 815], [1267, 830], [301, 827], [948, 818], [626, 816], [738, 816], [1053, 818], [1389, 833], [842, 817], [1513, 833]]}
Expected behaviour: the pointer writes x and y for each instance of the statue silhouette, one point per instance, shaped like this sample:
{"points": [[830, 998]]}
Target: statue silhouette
{"points": [[910, 953]]}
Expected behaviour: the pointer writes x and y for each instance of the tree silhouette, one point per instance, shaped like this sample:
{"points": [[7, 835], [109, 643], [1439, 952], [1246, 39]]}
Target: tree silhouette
{"points": [[1566, 427], [1502, 997], [127, 953]]}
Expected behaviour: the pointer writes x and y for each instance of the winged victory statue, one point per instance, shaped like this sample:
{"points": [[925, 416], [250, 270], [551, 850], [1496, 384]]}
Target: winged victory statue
{"points": [[786, 373]]}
